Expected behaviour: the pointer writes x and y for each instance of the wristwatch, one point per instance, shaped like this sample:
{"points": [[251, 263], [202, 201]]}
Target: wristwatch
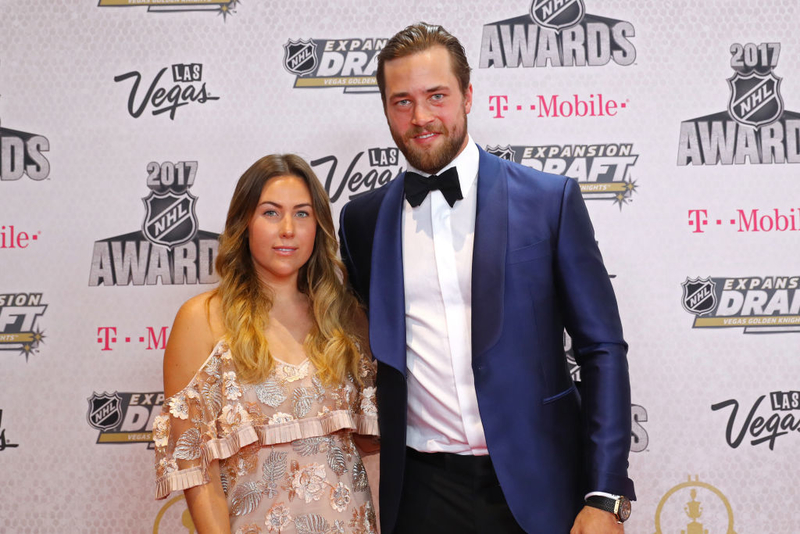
{"points": [[620, 507]]}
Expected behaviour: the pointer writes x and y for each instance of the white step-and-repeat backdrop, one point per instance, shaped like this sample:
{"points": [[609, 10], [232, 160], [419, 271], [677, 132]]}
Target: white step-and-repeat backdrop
{"points": [[125, 124]]}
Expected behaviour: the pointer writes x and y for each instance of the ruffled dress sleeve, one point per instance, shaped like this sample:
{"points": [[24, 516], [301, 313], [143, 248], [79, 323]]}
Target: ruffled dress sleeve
{"points": [[188, 430]]}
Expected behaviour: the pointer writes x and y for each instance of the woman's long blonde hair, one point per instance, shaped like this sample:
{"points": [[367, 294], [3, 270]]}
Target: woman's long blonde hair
{"points": [[246, 301]]}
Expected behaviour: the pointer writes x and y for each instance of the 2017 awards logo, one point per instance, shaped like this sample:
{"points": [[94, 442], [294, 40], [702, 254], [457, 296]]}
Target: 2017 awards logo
{"points": [[603, 171], [559, 33], [755, 128], [19, 323], [760, 305], [21, 155], [124, 417], [169, 249], [320, 63]]}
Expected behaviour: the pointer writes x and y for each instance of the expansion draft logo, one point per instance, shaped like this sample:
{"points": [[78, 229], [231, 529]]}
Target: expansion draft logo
{"points": [[320, 63], [760, 305], [124, 417], [558, 32], [755, 128], [604, 172], [169, 248], [21, 155], [19, 323], [220, 7]]}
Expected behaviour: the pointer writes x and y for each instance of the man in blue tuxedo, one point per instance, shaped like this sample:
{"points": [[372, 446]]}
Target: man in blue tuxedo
{"points": [[471, 268]]}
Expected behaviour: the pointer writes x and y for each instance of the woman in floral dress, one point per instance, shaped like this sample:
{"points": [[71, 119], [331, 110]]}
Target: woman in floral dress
{"points": [[266, 377]]}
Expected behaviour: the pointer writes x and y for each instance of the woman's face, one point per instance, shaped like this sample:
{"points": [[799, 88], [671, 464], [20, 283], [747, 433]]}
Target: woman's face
{"points": [[281, 231]]}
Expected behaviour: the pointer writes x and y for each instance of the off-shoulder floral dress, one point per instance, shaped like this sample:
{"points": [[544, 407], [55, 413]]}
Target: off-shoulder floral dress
{"points": [[287, 459]]}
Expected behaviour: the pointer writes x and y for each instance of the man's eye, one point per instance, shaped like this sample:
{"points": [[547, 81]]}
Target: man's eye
{"points": [[437, 96]]}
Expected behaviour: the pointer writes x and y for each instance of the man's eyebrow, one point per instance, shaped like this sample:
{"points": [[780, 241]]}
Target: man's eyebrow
{"points": [[435, 89]]}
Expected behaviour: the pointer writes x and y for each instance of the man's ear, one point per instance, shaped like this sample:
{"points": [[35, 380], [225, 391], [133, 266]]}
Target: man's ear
{"points": [[468, 99]]}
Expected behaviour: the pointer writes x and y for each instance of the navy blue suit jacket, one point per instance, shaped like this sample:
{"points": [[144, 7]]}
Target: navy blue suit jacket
{"points": [[536, 271]]}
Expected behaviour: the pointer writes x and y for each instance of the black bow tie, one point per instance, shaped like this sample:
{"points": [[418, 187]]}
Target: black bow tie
{"points": [[417, 186]]}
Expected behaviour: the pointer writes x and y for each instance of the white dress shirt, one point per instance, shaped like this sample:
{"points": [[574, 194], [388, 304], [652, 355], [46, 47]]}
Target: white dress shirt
{"points": [[438, 240]]}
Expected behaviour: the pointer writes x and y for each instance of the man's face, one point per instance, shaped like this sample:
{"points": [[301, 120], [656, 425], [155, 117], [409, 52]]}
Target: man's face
{"points": [[425, 108]]}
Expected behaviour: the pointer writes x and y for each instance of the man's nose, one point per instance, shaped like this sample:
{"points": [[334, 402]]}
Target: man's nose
{"points": [[421, 115]]}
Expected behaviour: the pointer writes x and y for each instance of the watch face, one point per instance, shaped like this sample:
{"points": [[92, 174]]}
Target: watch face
{"points": [[624, 511]]}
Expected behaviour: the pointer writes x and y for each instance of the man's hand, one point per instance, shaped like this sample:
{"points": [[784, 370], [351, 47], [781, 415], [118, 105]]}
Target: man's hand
{"points": [[595, 521]]}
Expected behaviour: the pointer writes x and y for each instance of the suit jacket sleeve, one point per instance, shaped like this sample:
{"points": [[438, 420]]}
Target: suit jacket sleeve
{"points": [[592, 320]]}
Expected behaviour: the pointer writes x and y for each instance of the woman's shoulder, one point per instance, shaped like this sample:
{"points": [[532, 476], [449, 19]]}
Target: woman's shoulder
{"points": [[197, 329]]}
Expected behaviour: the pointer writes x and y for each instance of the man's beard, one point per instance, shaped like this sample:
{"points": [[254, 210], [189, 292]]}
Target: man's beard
{"points": [[427, 160]]}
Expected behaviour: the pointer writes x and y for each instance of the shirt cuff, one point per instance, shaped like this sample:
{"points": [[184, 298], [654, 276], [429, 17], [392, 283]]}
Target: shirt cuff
{"points": [[601, 494]]}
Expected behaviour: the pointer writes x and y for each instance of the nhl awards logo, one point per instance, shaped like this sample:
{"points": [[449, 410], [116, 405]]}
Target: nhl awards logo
{"points": [[557, 14], [21, 154], [321, 63], [603, 171], [760, 305], [755, 99], [559, 33], [170, 248], [169, 217], [755, 128]]}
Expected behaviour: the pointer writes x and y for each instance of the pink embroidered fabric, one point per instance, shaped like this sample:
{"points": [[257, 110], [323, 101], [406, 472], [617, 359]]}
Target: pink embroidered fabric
{"points": [[285, 449]]}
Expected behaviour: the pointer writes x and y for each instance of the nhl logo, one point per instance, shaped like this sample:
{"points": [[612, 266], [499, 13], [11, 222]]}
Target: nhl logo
{"points": [[104, 411], [699, 296], [170, 219], [557, 14], [755, 99], [505, 152], [300, 57]]}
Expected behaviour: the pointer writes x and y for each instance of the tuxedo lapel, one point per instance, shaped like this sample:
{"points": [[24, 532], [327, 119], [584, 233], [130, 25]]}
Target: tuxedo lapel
{"points": [[387, 325], [489, 255]]}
